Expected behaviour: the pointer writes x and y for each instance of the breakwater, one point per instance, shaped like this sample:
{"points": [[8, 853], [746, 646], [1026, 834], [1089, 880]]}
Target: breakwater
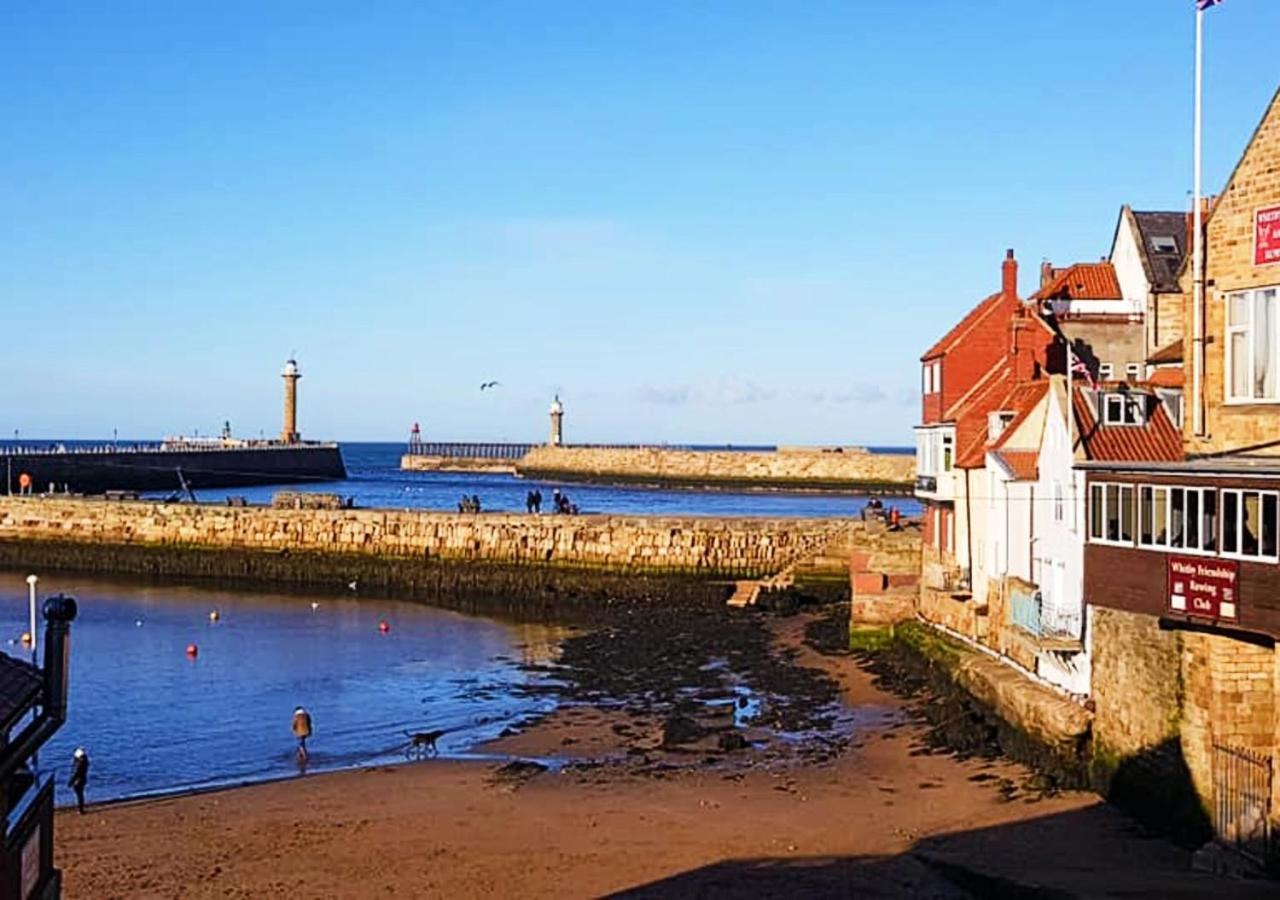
{"points": [[846, 469], [512, 561]]}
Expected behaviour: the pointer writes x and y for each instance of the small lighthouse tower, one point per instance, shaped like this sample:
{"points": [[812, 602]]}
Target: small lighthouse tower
{"points": [[289, 432], [557, 422]]}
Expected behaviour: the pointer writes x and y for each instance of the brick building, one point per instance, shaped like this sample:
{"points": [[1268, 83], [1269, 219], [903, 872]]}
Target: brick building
{"points": [[1182, 565]]}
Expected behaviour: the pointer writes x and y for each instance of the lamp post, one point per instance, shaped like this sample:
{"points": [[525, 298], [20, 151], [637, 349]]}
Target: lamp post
{"points": [[31, 583]]}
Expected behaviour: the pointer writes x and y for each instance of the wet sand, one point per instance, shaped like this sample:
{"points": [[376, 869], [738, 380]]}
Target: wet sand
{"points": [[882, 817]]}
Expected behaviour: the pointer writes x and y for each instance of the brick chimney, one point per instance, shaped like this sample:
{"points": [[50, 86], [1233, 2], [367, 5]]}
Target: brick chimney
{"points": [[1022, 354], [1009, 275], [1046, 272]]}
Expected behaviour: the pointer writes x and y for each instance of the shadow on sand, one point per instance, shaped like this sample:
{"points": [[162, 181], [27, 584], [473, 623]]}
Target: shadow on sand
{"points": [[1092, 852]]}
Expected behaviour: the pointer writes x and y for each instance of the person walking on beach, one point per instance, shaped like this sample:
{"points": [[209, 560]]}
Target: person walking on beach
{"points": [[537, 501], [302, 730], [79, 776]]}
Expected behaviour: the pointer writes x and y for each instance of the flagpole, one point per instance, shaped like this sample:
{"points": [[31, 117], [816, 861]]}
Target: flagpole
{"points": [[1197, 245]]}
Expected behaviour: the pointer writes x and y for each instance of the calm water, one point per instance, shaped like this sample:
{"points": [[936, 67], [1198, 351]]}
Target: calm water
{"points": [[375, 480], [155, 720]]}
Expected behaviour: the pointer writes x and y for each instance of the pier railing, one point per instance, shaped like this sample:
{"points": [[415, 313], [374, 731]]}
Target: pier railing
{"points": [[58, 449]]}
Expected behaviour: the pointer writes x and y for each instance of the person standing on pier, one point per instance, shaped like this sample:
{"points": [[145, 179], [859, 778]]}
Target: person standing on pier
{"points": [[302, 730], [79, 776]]}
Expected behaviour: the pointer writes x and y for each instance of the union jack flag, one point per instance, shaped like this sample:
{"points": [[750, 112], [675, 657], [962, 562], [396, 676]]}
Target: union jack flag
{"points": [[1202, 5], [1078, 367]]}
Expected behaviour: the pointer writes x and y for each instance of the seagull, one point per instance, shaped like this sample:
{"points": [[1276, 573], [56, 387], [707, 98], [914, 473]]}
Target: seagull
{"points": [[351, 585], [314, 606], [489, 384]]}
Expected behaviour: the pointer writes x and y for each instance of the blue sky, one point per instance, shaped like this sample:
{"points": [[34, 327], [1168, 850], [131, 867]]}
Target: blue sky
{"points": [[713, 221]]}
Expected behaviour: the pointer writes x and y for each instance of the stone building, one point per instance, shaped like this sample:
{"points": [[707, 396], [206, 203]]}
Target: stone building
{"points": [[1182, 564]]}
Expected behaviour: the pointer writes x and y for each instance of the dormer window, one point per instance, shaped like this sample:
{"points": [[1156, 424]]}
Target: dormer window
{"points": [[1122, 408], [1163, 243], [997, 422]]}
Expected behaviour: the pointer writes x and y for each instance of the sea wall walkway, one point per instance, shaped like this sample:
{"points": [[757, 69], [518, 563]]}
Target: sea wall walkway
{"points": [[850, 469]]}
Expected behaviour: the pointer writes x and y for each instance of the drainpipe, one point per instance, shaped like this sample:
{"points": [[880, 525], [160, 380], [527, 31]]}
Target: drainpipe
{"points": [[1031, 530], [968, 527]]}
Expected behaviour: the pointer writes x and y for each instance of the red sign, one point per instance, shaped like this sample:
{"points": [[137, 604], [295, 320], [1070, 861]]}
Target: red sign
{"points": [[1266, 236], [1208, 588]]}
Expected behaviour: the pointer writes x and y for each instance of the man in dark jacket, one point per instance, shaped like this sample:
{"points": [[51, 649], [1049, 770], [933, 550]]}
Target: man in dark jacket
{"points": [[79, 776]]}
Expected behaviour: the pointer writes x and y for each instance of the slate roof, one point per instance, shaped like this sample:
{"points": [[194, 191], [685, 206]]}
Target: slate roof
{"points": [[1157, 440], [20, 684], [1163, 268], [1082, 281], [965, 326]]}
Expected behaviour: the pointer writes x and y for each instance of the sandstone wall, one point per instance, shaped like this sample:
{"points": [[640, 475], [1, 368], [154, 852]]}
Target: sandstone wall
{"points": [[694, 546], [1136, 682], [799, 467]]}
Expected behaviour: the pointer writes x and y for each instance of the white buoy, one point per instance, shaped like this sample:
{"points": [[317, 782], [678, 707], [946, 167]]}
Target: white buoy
{"points": [[213, 615], [138, 623], [315, 605]]}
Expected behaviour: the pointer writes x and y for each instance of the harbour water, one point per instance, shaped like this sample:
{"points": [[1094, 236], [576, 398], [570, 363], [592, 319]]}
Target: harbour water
{"points": [[156, 720], [376, 480]]}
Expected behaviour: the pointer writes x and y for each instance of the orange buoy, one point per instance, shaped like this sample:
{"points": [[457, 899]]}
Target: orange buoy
{"points": [[193, 651], [383, 626]]}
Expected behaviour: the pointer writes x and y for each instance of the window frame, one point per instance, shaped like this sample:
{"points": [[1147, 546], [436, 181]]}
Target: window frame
{"points": [[1228, 356], [1123, 488], [1239, 553]]}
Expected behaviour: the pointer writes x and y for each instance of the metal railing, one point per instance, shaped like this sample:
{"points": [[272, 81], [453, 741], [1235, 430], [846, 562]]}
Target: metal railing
{"points": [[1029, 611], [1242, 800]]}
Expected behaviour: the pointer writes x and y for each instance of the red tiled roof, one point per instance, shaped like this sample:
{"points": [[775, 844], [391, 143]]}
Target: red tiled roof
{"points": [[1024, 464], [964, 326], [1020, 401], [1169, 353], [970, 414], [1167, 377], [1082, 281], [1154, 441]]}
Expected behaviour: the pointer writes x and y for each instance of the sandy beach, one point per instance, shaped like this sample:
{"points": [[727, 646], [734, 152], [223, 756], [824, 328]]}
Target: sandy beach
{"points": [[884, 817]]}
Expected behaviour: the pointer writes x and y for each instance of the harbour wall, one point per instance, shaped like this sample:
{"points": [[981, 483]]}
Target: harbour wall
{"points": [[442, 557], [788, 468], [94, 471]]}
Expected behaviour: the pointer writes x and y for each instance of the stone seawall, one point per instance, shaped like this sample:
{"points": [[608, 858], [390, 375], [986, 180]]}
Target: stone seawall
{"points": [[511, 558], [849, 469]]}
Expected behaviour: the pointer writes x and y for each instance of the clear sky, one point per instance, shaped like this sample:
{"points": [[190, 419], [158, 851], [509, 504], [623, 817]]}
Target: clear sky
{"points": [[697, 221]]}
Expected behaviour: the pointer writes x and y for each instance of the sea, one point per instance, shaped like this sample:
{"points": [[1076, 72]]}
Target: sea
{"points": [[156, 719]]}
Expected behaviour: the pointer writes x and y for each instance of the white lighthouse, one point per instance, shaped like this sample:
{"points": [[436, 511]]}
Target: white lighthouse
{"points": [[289, 431], [557, 422]]}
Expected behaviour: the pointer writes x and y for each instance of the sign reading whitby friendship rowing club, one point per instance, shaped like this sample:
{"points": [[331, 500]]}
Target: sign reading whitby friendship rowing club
{"points": [[1266, 236], [1208, 588]]}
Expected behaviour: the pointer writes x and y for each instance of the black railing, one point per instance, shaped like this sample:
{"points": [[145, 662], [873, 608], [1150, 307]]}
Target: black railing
{"points": [[1242, 801]]}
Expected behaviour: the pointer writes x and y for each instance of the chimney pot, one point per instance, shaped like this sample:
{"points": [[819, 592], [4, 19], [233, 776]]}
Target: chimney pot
{"points": [[1009, 275]]}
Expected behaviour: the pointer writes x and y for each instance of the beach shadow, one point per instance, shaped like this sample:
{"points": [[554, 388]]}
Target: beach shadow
{"points": [[1094, 852]]}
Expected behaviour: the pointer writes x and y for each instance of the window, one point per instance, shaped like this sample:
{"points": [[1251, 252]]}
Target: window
{"points": [[926, 379], [997, 422], [1249, 523], [1123, 408], [1133, 371], [1057, 501], [948, 444], [1104, 371], [1172, 401], [1153, 516], [1111, 513], [1163, 243], [1252, 345]]}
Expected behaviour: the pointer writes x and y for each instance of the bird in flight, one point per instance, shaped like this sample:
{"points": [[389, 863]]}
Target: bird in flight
{"points": [[488, 384]]}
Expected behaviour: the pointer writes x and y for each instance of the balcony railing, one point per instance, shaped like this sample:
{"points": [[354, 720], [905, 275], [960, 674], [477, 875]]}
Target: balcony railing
{"points": [[1046, 622], [948, 577], [927, 483]]}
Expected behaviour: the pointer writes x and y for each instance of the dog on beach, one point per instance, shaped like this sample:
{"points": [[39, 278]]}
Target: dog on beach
{"points": [[423, 743]]}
